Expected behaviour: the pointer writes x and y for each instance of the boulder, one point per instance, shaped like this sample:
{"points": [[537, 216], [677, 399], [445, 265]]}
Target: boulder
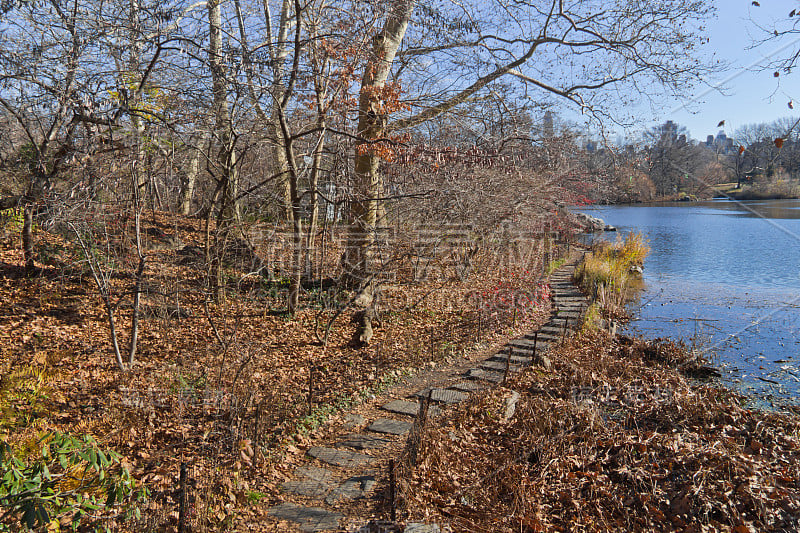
{"points": [[591, 224]]}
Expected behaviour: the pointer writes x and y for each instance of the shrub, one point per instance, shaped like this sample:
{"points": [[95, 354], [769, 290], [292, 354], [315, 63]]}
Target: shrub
{"points": [[65, 478]]}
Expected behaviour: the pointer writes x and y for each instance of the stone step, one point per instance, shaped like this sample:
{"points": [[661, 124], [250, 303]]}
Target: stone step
{"points": [[485, 375], [314, 472], [402, 407], [542, 339], [314, 482], [389, 426], [308, 519], [569, 306], [527, 353], [515, 359], [467, 386], [499, 366], [363, 442], [442, 395], [338, 457], [351, 489], [518, 348], [554, 330], [409, 408], [521, 343], [571, 315], [525, 347]]}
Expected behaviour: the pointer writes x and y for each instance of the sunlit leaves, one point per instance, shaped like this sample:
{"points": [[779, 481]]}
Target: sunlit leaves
{"points": [[69, 476]]}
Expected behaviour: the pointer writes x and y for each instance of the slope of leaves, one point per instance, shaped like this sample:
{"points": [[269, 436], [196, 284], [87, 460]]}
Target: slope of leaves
{"points": [[615, 438], [229, 387]]}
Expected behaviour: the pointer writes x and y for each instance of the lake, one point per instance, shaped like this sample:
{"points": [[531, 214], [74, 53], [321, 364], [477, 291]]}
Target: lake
{"points": [[724, 276]]}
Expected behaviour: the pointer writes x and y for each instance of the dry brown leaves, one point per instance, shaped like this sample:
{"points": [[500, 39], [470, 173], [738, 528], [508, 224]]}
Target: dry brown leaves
{"points": [[236, 409], [614, 439]]}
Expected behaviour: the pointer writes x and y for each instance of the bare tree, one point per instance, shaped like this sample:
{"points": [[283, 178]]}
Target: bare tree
{"points": [[585, 53], [674, 160]]}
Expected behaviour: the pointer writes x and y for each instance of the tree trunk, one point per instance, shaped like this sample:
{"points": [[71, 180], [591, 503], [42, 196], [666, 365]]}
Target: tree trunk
{"points": [[226, 157], [279, 160], [27, 238], [192, 172], [137, 291], [313, 186], [368, 186]]}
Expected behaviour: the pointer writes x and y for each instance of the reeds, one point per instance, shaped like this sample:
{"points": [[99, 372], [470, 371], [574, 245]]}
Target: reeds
{"points": [[608, 269], [609, 265]]}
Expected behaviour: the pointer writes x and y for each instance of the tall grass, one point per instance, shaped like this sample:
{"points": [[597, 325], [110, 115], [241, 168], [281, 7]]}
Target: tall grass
{"points": [[607, 270]]}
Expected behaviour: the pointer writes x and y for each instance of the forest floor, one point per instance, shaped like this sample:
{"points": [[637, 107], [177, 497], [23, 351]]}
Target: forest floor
{"points": [[233, 388], [620, 436], [616, 434]]}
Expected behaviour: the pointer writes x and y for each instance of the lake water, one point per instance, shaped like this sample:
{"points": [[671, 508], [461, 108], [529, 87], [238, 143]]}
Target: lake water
{"points": [[723, 276]]}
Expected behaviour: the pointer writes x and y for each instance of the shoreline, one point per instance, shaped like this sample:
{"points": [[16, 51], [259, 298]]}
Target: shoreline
{"points": [[620, 436], [740, 363]]}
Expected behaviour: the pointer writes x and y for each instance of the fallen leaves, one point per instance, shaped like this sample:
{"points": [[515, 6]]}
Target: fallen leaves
{"points": [[699, 461], [243, 406]]}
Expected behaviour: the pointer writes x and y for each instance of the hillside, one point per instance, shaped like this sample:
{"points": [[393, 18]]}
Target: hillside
{"points": [[229, 387]]}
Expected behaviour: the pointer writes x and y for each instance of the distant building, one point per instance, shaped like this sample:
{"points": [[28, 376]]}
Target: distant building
{"points": [[720, 144], [669, 132], [548, 128]]}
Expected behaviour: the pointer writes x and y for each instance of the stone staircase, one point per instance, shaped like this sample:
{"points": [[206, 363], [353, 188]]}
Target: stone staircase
{"points": [[348, 470]]}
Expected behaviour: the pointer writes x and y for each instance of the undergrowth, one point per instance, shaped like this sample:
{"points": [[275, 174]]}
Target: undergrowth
{"points": [[616, 438], [608, 270]]}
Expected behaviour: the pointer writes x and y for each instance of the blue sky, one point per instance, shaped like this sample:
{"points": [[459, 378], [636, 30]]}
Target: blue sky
{"points": [[752, 96]]}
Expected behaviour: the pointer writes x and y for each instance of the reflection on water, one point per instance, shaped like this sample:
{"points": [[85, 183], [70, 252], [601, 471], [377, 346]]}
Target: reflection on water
{"points": [[724, 276]]}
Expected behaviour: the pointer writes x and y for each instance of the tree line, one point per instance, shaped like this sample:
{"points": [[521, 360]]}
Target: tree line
{"points": [[297, 114], [667, 164]]}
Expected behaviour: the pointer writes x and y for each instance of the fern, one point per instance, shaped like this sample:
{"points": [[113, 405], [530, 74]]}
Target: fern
{"points": [[24, 394]]}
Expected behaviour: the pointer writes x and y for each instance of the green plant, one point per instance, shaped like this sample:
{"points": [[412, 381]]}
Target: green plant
{"points": [[11, 220], [189, 386], [254, 496], [48, 253], [446, 349], [65, 478], [321, 413], [592, 318], [608, 266], [555, 265]]}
